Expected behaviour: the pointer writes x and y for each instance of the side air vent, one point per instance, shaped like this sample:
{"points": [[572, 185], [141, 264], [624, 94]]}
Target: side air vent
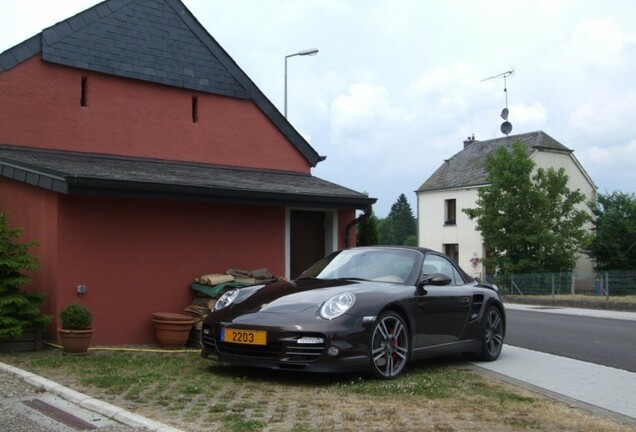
{"points": [[478, 303]]}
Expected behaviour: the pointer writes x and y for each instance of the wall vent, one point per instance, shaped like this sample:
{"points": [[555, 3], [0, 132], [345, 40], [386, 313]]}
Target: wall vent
{"points": [[83, 97], [195, 109]]}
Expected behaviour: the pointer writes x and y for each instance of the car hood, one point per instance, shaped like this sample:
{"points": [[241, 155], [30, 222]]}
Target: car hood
{"points": [[300, 295]]}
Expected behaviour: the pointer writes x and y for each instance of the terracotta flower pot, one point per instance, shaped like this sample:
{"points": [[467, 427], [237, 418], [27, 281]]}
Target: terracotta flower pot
{"points": [[75, 341], [172, 330]]}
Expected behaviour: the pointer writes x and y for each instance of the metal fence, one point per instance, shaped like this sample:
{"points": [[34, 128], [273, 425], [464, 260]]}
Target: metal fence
{"points": [[610, 283]]}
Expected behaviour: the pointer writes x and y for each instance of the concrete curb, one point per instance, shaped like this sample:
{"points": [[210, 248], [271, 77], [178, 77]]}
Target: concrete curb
{"points": [[563, 310], [614, 304], [103, 408]]}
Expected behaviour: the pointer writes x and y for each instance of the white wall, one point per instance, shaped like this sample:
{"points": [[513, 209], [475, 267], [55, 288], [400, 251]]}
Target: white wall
{"points": [[433, 234]]}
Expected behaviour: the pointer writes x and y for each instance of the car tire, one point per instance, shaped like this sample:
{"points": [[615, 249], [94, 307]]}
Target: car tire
{"points": [[492, 335], [390, 346]]}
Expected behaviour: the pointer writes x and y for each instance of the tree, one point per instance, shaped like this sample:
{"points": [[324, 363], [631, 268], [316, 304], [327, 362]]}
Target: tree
{"points": [[411, 240], [386, 235], [18, 310], [614, 245], [368, 231], [529, 223], [402, 221]]}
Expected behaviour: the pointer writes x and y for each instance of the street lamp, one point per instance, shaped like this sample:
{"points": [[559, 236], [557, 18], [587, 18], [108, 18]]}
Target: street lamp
{"points": [[307, 52]]}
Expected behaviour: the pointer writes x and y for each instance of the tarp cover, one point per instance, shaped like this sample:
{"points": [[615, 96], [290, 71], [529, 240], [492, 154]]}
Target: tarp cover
{"points": [[215, 290]]}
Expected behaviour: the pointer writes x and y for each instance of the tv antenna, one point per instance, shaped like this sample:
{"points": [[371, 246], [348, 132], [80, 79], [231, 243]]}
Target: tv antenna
{"points": [[506, 126]]}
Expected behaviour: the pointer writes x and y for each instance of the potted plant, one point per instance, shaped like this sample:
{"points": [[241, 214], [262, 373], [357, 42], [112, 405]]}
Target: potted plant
{"points": [[172, 329], [76, 330]]}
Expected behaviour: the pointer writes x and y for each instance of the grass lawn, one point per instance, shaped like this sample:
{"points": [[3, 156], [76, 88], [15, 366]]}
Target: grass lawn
{"points": [[188, 392]]}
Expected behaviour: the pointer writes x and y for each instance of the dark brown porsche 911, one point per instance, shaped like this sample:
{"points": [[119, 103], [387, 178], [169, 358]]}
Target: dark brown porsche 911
{"points": [[367, 309]]}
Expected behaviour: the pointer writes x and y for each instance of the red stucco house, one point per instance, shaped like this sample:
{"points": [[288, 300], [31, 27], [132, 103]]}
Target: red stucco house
{"points": [[139, 156]]}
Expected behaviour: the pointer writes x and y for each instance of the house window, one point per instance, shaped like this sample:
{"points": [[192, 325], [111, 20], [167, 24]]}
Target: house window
{"points": [[451, 250], [450, 212]]}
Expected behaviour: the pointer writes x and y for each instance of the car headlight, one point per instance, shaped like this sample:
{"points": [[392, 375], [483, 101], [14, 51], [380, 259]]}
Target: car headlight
{"points": [[337, 305], [226, 299]]}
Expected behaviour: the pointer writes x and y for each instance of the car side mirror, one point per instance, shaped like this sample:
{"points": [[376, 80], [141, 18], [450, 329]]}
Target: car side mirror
{"points": [[437, 279]]}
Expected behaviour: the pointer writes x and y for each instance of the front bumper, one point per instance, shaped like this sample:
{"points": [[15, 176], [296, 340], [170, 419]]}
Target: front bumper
{"points": [[344, 347]]}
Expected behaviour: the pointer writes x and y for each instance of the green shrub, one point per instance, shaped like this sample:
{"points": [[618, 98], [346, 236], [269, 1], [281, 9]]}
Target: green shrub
{"points": [[75, 317], [19, 310]]}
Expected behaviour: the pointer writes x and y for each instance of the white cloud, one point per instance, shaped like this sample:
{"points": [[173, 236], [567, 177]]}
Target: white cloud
{"points": [[597, 41], [619, 157], [28, 18], [605, 118], [362, 113], [532, 116]]}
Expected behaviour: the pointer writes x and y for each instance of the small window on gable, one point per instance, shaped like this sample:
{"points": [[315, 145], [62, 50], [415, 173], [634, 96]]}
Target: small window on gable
{"points": [[450, 212], [83, 92], [195, 109]]}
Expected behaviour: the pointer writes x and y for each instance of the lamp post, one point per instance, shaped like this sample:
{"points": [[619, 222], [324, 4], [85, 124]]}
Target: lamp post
{"points": [[307, 52]]}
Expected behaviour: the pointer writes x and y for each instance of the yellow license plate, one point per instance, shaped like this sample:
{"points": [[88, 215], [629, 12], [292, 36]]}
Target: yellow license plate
{"points": [[247, 337]]}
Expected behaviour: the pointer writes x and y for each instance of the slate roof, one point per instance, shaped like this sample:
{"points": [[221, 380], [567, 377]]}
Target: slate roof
{"points": [[158, 41], [466, 168], [75, 173]]}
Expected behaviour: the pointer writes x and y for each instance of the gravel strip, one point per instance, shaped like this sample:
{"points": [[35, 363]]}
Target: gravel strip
{"points": [[15, 417]]}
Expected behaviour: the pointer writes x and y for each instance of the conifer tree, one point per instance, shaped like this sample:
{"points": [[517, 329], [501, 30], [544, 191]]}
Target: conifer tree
{"points": [[402, 221], [19, 310], [368, 231]]}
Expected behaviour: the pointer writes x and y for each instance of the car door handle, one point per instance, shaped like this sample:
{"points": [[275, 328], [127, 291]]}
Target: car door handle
{"points": [[465, 300]]}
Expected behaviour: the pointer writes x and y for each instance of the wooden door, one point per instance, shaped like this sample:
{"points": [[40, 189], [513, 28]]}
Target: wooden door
{"points": [[307, 240]]}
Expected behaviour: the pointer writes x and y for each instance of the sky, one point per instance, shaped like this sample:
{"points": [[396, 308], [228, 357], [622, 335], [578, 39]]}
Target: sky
{"points": [[398, 85]]}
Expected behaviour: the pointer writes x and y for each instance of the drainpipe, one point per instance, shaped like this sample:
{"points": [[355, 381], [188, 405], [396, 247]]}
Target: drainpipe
{"points": [[356, 221]]}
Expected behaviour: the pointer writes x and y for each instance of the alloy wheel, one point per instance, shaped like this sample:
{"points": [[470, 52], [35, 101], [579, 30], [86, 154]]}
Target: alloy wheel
{"points": [[389, 346], [493, 333]]}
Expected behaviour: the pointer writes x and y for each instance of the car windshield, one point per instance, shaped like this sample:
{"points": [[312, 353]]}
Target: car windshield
{"points": [[384, 265]]}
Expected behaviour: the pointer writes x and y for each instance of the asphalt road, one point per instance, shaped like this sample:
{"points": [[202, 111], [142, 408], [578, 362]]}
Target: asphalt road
{"points": [[609, 342]]}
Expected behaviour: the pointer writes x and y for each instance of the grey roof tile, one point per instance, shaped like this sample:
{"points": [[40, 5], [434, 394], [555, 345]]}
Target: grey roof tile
{"points": [[22, 52], [7, 61], [83, 173], [89, 16], [466, 168], [19, 53], [138, 31], [34, 44], [103, 10], [63, 29]]}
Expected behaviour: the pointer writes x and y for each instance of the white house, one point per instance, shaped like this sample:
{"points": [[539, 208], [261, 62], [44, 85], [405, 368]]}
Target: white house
{"points": [[443, 225]]}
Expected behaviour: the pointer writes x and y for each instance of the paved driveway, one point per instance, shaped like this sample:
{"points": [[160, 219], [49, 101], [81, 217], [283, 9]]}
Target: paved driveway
{"points": [[588, 383]]}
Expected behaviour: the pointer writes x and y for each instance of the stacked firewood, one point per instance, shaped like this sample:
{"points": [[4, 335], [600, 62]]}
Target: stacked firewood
{"points": [[208, 288]]}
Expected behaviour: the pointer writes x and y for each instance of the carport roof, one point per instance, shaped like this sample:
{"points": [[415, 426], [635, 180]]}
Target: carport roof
{"points": [[73, 173]]}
